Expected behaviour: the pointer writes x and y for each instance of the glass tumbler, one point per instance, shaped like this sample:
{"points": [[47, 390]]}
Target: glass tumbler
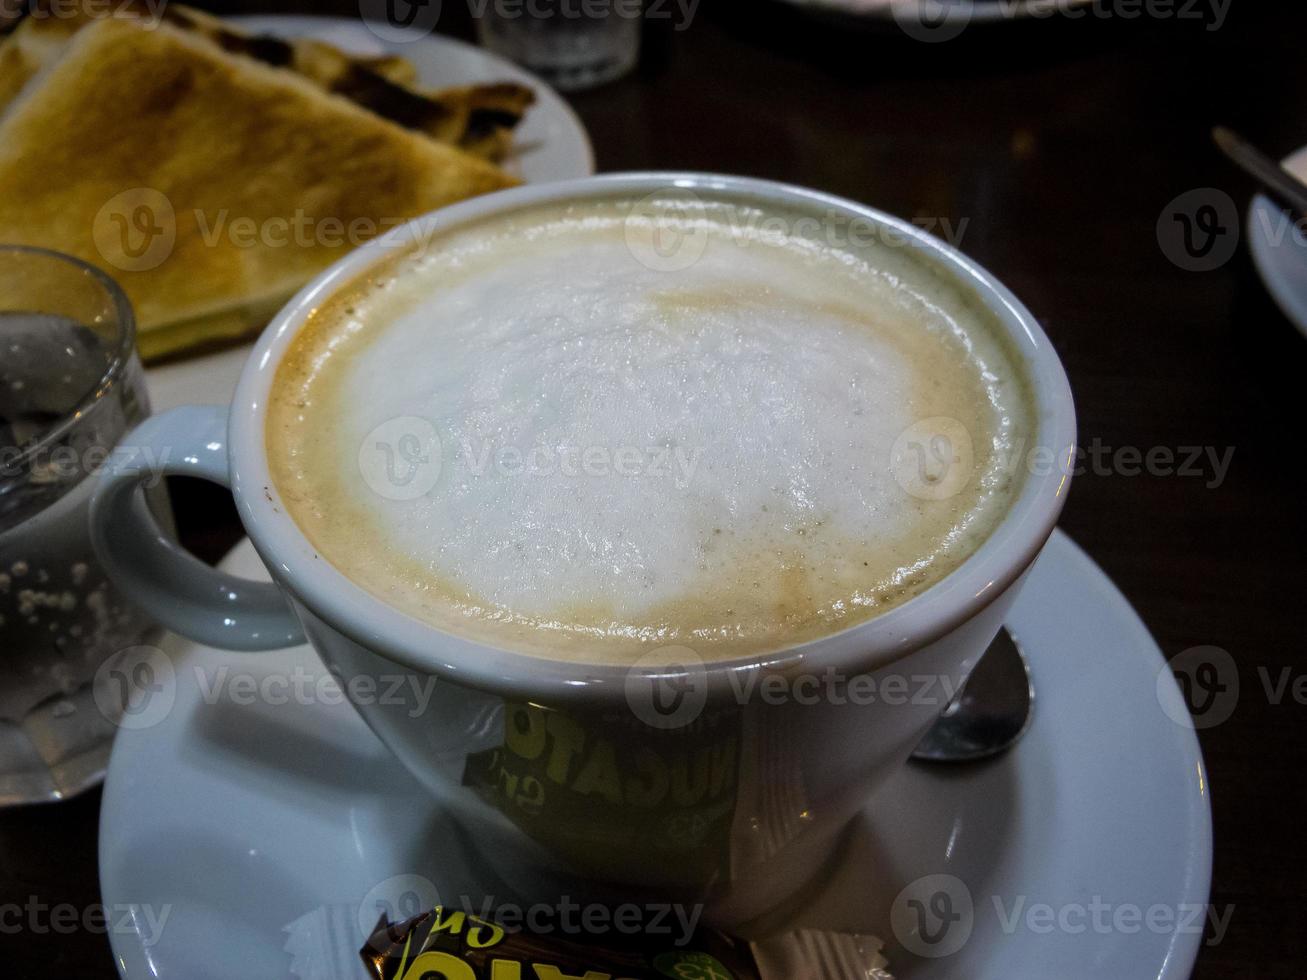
{"points": [[71, 385], [571, 44]]}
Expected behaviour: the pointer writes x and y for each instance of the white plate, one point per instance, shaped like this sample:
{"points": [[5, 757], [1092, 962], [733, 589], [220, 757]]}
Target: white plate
{"points": [[271, 833], [552, 145], [1279, 251]]}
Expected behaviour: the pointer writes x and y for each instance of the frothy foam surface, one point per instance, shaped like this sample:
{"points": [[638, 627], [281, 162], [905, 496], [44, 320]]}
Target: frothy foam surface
{"points": [[585, 432]]}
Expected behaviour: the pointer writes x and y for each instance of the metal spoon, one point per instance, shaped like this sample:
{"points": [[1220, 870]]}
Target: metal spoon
{"points": [[990, 713]]}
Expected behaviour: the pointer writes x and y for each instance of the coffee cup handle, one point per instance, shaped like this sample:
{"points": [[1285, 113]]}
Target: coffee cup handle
{"points": [[165, 580]]}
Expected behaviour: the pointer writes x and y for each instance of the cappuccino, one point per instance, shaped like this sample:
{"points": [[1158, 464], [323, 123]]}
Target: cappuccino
{"points": [[585, 431]]}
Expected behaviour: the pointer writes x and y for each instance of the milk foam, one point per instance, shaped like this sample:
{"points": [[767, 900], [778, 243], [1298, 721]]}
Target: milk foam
{"points": [[607, 452]]}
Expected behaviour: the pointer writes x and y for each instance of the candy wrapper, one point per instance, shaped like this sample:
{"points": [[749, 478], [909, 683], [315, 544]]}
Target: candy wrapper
{"points": [[451, 944], [454, 945]]}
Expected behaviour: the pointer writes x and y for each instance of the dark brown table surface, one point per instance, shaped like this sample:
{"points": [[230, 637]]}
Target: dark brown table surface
{"points": [[1057, 147]]}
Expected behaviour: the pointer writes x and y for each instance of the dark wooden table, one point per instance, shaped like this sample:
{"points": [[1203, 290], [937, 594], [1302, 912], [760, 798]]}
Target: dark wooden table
{"points": [[1056, 147]]}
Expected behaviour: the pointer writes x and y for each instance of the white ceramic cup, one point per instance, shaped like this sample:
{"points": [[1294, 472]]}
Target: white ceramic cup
{"points": [[669, 776]]}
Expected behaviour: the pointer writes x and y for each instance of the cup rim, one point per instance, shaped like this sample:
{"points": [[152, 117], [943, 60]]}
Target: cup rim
{"points": [[330, 595], [123, 349]]}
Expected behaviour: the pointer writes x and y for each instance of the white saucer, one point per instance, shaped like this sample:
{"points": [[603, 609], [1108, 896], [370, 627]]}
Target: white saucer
{"points": [[272, 835], [1279, 252], [552, 143]]}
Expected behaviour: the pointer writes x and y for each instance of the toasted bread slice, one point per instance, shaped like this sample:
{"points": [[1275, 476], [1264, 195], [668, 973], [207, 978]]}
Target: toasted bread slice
{"points": [[478, 118], [390, 66], [210, 185], [483, 117]]}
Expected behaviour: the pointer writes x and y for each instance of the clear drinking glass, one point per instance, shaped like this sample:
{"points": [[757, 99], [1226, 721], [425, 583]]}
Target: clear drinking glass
{"points": [[571, 44], [71, 385]]}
